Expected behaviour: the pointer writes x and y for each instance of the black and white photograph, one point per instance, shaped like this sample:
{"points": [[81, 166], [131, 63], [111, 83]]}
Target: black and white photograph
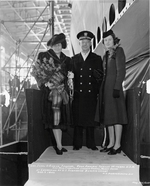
{"points": [[74, 93]]}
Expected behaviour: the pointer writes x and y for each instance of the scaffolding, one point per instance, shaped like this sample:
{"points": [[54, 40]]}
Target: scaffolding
{"points": [[16, 93]]}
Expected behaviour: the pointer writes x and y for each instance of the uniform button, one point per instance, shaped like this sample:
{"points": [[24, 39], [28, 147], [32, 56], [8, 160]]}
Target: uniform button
{"points": [[80, 75], [89, 90], [89, 83], [80, 90], [89, 75], [90, 69], [80, 83], [81, 69]]}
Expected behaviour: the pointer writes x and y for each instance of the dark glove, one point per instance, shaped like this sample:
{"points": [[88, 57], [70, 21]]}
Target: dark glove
{"points": [[98, 74], [116, 93]]}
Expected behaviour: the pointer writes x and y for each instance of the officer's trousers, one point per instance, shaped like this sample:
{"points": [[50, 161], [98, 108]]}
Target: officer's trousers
{"points": [[78, 137]]}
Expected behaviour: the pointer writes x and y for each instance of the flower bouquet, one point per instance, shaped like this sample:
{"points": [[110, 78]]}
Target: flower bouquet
{"points": [[47, 72], [51, 76]]}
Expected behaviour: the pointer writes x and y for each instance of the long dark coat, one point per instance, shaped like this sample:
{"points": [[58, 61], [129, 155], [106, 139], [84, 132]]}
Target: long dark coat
{"points": [[47, 112], [112, 110], [86, 89]]}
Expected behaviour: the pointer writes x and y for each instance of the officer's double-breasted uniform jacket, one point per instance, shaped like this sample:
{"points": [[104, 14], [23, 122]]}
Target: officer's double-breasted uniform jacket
{"points": [[86, 88]]}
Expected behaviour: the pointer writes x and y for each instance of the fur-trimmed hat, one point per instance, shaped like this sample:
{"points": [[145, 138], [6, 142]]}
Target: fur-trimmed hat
{"points": [[58, 38], [85, 35]]}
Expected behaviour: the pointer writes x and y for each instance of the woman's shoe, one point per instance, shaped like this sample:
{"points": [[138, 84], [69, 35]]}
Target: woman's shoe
{"points": [[64, 150], [59, 152], [106, 149], [103, 150], [113, 151]]}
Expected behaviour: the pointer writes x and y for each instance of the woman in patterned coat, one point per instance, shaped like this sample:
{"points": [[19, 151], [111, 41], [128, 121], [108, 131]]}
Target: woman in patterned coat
{"points": [[55, 114], [114, 110]]}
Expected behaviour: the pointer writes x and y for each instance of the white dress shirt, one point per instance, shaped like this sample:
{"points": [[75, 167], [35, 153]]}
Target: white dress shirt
{"points": [[85, 55]]}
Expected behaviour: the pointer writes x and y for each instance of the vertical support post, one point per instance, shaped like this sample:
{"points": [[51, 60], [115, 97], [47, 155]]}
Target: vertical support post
{"points": [[52, 16], [1, 131], [51, 22], [16, 89]]}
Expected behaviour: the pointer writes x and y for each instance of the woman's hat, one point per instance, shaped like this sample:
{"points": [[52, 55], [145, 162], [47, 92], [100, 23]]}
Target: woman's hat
{"points": [[109, 32], [85, 35], [58, 38]]}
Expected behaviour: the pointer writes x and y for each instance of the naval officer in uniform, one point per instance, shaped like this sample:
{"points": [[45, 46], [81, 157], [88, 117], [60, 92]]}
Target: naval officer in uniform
{"points": [[87, 69]]}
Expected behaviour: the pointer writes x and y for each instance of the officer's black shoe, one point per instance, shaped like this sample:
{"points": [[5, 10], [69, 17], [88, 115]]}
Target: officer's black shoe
{"points": [[76, 148], [94, 148]]}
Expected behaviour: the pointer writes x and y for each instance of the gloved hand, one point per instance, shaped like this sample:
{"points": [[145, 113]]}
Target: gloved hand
{"points": [[70, 75], [70, 79], [49, 85], [98, 74], [116, 93]]}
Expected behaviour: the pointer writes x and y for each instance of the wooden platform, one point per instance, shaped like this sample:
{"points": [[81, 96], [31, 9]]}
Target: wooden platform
{"points": [[83, 168]]}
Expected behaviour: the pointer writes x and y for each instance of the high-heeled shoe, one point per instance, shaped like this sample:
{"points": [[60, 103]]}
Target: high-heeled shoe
{"points": [[59, 152], [106, 149], [114, 151], [103, 149], [64, 150]]}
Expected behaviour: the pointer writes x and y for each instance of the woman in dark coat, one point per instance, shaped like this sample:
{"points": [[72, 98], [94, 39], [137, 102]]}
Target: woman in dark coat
{"points": [[55, 91], [114, 111]]}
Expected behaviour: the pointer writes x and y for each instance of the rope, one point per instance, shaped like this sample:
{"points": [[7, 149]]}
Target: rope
{"points": [[142, 156], [14, 153]]}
